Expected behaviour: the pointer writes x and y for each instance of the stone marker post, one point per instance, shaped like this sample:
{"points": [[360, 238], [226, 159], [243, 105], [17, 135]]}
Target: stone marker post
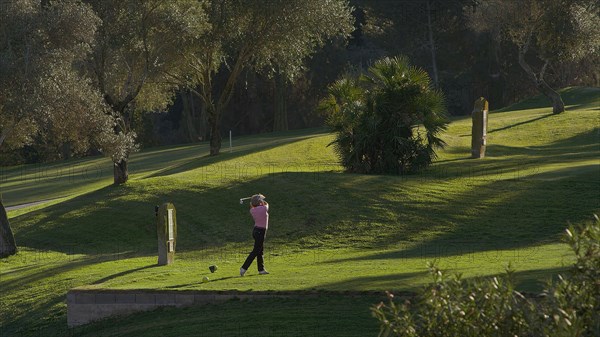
{"points": [[166, 228], [479, 129]]}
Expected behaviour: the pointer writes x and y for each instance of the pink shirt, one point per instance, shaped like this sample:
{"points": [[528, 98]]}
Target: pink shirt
{"points": [[261, 216]]}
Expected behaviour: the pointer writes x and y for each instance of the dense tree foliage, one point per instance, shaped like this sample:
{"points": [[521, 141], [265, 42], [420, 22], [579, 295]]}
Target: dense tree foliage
{"points": [[471, 62], [464, 43], [269, 37], [39, 47], [139, 47], [41, 91], [387, 120]]}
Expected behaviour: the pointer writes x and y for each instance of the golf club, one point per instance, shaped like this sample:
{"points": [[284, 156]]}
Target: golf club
{"points": [[242, 199]]}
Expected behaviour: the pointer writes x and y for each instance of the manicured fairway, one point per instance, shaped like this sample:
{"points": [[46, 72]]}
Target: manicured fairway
{"points": [[329, 230]]}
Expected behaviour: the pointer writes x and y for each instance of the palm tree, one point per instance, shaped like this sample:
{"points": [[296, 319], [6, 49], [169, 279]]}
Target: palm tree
{"points": [[387, 120]]}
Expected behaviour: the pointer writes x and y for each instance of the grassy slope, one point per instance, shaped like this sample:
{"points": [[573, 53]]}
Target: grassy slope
{"points": [[329, 230], [299, 317]]}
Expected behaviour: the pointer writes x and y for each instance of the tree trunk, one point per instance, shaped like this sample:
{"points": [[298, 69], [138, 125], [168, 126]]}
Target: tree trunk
{"points": [[120, 172], [203, 120], [7, 240], [3, 135], [280, 120], [432, 46], [214, 121], [558, 105], [65, 149], [188, 117], [195, 118]]}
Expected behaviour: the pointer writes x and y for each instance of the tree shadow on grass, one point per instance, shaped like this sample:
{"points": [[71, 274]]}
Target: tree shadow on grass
{"points": [[512, 161], [44, 272], [195, 284], [521, 123], [530, 213], [39, 310], [240, 151], [32, 183], [536, 280], [44, 314], [397, 281], [123, 273], [532, 281], [453, 160], [92, 224], [18, 270]]}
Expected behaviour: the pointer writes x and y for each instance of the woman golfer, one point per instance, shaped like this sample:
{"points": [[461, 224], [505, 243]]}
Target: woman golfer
{"points": [[259, 209]]}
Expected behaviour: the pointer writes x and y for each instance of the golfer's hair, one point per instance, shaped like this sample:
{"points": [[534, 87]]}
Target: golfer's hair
{"points": [[256, 200]]}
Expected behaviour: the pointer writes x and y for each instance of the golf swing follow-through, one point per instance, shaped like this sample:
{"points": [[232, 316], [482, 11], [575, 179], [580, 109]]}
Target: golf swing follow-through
{"points": [[259, 209]]}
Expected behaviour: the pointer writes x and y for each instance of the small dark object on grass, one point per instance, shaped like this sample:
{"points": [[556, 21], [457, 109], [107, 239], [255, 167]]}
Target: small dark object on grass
{"points": [[213, 268]]}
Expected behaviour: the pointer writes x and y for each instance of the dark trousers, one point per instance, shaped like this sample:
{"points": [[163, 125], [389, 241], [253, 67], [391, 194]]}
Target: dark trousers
{"points": [[259, 239]]}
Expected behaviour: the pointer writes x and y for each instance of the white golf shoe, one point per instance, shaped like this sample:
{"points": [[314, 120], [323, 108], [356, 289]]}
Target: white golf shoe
{"points": [[263, 272]]}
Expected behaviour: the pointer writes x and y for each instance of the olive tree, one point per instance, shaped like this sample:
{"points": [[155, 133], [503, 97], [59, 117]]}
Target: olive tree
{"points": [[40, 87], [267, 36], [137, 45], [545, 32]]}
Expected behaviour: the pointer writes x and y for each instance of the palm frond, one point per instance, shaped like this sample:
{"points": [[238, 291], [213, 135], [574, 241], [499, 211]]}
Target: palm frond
{"points": [[378, 116]]}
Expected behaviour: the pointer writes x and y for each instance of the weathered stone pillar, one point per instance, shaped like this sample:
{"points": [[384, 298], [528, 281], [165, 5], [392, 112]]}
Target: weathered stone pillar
{"points": [[479, 129], [166, 228]]}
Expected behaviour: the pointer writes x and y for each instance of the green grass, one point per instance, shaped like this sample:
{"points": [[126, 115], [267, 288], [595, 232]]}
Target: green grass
{"points": [[328, 231], [67, 179], [296, 317]]}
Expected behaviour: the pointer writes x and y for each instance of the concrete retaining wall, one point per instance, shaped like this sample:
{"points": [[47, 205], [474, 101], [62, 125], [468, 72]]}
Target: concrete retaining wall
{"points": [[84, 306]]}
